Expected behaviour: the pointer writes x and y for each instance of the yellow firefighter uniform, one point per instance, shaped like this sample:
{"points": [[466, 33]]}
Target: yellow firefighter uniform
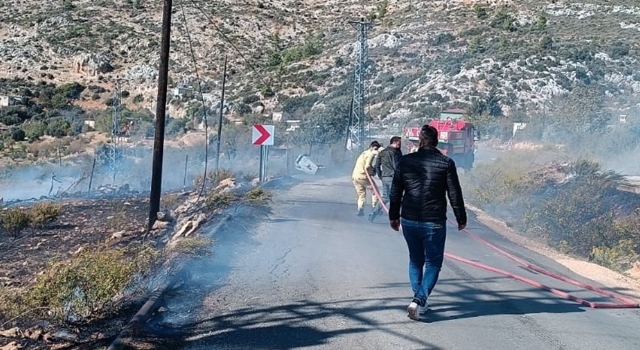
{"points": [[364, 164]]}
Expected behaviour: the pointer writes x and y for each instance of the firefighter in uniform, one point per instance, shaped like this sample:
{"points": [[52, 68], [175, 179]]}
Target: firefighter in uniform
{"points": [[364, 166]]}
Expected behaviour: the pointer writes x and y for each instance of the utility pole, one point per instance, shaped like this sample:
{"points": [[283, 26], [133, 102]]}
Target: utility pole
{"points": [[161, 103], [115, 130], [358, 118], [224, 83]]}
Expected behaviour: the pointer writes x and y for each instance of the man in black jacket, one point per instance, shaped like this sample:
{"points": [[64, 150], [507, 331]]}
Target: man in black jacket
{"points": [[420, 187], [385, 166]]}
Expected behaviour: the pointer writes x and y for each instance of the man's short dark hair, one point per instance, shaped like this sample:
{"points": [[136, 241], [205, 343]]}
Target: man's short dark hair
{"points": [[429, 136], [395, 139], [375, 144]]}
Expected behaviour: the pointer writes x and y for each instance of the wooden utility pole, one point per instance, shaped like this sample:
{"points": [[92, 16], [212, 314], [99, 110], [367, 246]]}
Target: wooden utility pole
{"points": [[161, 102], [224, 83]]}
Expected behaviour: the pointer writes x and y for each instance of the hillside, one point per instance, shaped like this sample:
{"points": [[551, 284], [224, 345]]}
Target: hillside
{"points": [[425, 54]]}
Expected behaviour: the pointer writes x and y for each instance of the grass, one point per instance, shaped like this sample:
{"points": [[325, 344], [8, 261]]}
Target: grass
{"points": [[15, 220], [80, 288], [217, 200], [576, 208], [195, 245], [258, 196], [213, 178]]}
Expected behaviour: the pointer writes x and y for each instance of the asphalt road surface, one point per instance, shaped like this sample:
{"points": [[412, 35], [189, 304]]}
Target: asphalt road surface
{"points": [[312, 275]]}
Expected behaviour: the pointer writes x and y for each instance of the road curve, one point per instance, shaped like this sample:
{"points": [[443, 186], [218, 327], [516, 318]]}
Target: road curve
{"points": [[311, 274]]}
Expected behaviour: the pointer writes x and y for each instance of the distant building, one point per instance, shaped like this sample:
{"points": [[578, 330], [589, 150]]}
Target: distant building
{"points": [[182, 90], [7, 100]]}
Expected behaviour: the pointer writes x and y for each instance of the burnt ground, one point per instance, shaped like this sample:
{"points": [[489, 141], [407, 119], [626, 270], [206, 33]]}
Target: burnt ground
{"points": [[82, 224]]}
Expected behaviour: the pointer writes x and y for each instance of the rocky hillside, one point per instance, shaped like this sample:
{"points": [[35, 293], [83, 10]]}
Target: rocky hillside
{"points": [[424, 53]]}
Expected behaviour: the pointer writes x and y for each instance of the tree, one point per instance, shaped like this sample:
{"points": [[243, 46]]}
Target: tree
{"points": [[17, 134], [493, 104], [583, 111], [324, 126], [541, 22]]}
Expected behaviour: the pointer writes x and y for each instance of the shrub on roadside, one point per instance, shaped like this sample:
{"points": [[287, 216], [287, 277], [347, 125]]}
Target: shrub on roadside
{"points": [[15, 220], [214, 177], [258, 196], [217, 200], [43, 213], [196, 245], [75, 290], [577, 208]]}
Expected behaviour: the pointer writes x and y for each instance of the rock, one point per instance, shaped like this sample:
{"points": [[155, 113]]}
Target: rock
{"points": [[189, 225], [48, 338], [12, 346], [34, 333], [162, 216], [142, 74], [124, 189], [118, 235], [160, 225], [93, 63], [227, 185], [14, 332]]}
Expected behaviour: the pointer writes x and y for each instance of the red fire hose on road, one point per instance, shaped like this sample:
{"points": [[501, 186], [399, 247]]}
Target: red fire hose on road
{"points": [[624, 302]]}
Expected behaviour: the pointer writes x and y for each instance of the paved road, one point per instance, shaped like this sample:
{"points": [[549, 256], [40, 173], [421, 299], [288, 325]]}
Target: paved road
{"points": [[313, 275]]}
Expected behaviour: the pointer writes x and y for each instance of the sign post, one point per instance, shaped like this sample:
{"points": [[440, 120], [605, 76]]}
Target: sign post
{"points": [[262, 135]]}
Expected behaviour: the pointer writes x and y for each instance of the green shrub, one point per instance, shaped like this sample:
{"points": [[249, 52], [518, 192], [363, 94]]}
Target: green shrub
{"points": [[195, 245], [214, 177], [217, 200], [258, 196], [619, 257], [43, 213], [89, 282], [14, 220]]}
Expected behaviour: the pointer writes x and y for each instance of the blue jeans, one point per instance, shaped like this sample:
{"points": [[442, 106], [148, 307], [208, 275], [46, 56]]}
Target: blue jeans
{"points": [[426, 251]]}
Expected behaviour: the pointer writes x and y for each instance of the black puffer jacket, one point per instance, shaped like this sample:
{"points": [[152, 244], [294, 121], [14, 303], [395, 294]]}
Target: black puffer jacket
{"points": [[421, 185]]}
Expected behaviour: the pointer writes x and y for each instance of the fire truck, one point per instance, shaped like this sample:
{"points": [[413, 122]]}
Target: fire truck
{"points": [[456, 137]]}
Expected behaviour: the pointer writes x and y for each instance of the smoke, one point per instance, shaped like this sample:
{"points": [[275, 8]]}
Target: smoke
{"points": [[132, 169]]}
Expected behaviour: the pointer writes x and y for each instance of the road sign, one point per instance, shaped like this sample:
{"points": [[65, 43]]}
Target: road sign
{"points": [[262, 135]]}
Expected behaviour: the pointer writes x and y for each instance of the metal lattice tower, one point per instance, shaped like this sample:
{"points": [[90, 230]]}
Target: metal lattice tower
{"points": [[115, 131], [358, 118]]}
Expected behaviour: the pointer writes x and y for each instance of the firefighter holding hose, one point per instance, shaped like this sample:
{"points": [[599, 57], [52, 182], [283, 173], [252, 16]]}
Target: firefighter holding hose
{"points": [[364, 166]]}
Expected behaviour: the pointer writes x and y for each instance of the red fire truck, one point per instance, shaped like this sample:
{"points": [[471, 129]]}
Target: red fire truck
{"points": [[456, 137]]}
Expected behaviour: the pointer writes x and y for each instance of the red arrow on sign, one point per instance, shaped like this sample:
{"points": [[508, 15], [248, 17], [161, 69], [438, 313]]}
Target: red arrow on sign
{"points": [[264, 134]]}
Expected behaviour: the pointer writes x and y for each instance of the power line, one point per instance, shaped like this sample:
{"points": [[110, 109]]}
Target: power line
{"points": [[229, 41], [204, 109]]}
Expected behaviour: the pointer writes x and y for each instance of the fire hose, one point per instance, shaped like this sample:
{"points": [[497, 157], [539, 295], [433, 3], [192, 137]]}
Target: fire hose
{"points": [[623, 302]]}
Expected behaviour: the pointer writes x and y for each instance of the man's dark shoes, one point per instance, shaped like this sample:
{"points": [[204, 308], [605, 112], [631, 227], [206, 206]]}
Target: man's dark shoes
{"points": [[360, 212]]}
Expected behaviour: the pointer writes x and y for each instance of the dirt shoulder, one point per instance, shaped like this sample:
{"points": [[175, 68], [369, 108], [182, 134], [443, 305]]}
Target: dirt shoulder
{"points": [[629, 284]]}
